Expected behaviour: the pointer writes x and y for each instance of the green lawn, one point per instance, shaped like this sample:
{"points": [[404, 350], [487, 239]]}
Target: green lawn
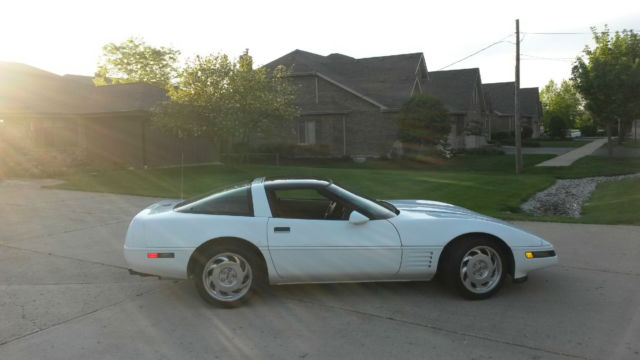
{"points": [[631, 144], [615, 202], [484, 183], [561, 143]]}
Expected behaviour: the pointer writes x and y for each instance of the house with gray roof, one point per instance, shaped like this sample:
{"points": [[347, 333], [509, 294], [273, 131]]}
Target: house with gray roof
{"points": [[500, 97], [45, 113], [461, 92], [349, 105]]}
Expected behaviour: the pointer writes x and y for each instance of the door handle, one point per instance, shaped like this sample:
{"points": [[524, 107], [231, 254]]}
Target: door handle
{"points": [[281, 229]]}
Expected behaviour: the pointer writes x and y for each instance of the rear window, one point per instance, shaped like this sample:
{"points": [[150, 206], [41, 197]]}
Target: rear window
{"points": [[231, 200]]}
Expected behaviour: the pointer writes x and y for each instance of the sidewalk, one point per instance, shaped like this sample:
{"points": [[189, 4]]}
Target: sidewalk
{"points": [[568, 158]]}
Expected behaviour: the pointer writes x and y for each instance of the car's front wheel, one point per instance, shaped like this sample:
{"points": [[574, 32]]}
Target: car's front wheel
{"points": [[475, 267], [226, 275]]}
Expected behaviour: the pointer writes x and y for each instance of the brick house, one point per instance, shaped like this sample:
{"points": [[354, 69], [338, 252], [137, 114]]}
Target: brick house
{"points": [[349, 105], [500, 98], [47, 114]]}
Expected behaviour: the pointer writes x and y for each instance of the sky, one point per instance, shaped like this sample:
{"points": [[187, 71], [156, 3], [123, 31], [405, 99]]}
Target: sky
{"points": [[66, 37]]}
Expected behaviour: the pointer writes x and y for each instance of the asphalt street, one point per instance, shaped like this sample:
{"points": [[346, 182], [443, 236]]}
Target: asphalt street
{"points": [[65, 293]]}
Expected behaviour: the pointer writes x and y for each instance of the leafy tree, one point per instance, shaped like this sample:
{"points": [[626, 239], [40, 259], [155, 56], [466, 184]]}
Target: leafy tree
{"points": [[423, 121], [561, 101], [608, 77], [227, 101], [135, 61]]}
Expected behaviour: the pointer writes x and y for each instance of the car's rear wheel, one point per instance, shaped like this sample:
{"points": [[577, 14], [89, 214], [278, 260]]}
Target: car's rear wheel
{"points": [[227, 275], [475, 267]]}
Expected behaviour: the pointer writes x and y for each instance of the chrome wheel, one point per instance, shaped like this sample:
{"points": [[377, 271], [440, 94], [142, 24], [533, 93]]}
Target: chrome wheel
{"points": [[481, 269], [227, 277]]}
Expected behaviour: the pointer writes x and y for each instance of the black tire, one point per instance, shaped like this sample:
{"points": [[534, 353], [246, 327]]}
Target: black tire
{"points": [[237, 253], [489, 256]]}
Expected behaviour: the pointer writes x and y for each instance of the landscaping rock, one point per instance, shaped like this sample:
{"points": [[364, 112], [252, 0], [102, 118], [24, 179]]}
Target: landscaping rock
{"points": [[566, 196]]}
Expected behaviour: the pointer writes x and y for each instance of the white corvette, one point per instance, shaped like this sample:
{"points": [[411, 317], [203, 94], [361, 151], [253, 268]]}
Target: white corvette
{"points": [[283, 231]]}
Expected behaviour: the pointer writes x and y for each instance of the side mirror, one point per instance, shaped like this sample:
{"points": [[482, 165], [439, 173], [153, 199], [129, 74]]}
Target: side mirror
{"points": [[357, 219]]}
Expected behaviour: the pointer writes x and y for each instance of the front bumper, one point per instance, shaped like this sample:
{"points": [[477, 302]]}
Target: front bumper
{"points": [[540, 257]]}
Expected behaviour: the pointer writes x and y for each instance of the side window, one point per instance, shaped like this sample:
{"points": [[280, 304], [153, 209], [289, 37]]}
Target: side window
{"points": [[235, 201], [304, 203]]}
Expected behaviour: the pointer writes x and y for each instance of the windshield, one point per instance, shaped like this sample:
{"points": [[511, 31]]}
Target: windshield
{"points": [[375, 209]]}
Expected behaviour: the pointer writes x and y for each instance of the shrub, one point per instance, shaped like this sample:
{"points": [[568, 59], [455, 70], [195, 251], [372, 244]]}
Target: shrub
{"points": [[423, 124], [486, 150], [315, 150], [589, 130], [557, 127], [501, 136]]}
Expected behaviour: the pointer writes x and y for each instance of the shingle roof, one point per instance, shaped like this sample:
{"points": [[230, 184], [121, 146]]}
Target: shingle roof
{"points": [[87, 80], [454, 87], [126, 97], [500, 95], [530, 101], [24, 88], [386, 79]]}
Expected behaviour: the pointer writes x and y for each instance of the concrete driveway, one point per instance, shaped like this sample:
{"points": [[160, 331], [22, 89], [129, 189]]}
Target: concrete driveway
{"points": [[65, 294]]}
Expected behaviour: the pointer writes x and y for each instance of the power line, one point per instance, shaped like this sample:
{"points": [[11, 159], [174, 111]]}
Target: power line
{"points": [[477, 52], [524, 34]]}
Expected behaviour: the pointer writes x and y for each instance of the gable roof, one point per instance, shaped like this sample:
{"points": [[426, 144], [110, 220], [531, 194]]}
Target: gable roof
{"points": [[454, 87], [386, 81], [501, 94], [24, 88]]}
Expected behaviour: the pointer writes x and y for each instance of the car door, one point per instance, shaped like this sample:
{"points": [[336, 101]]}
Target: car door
{"points": [[304, 246]]}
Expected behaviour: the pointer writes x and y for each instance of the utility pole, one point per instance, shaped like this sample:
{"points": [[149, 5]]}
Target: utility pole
{"points": [[516, 107]]}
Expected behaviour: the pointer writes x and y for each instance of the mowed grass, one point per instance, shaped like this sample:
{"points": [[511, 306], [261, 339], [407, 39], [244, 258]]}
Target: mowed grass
{"points": [[616, 202], [561, 143], [483, 183]]}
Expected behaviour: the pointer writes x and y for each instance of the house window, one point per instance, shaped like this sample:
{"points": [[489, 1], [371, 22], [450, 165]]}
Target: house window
{"points": [[475, 96], [307, 132]]}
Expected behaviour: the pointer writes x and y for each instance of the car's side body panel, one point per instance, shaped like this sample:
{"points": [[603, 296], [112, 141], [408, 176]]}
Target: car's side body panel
{"points": [[430, 223], [422, 230], [333, 250], [181, 234]]}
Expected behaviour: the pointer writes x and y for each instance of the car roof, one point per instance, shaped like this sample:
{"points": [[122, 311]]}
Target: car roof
{"points": [[283, 182]]}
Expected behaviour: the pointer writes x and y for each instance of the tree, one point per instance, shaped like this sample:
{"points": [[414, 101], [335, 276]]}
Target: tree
{"points": [[608, 78], [423, 121], [227, 101], [561, 102], [135, 61]]}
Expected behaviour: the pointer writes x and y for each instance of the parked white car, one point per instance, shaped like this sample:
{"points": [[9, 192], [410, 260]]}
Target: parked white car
{"points": [[574, 133], [281, 231]]}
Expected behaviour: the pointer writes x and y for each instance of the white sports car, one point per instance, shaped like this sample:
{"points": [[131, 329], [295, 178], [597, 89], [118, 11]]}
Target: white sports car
{"points": [[282, 231]]}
